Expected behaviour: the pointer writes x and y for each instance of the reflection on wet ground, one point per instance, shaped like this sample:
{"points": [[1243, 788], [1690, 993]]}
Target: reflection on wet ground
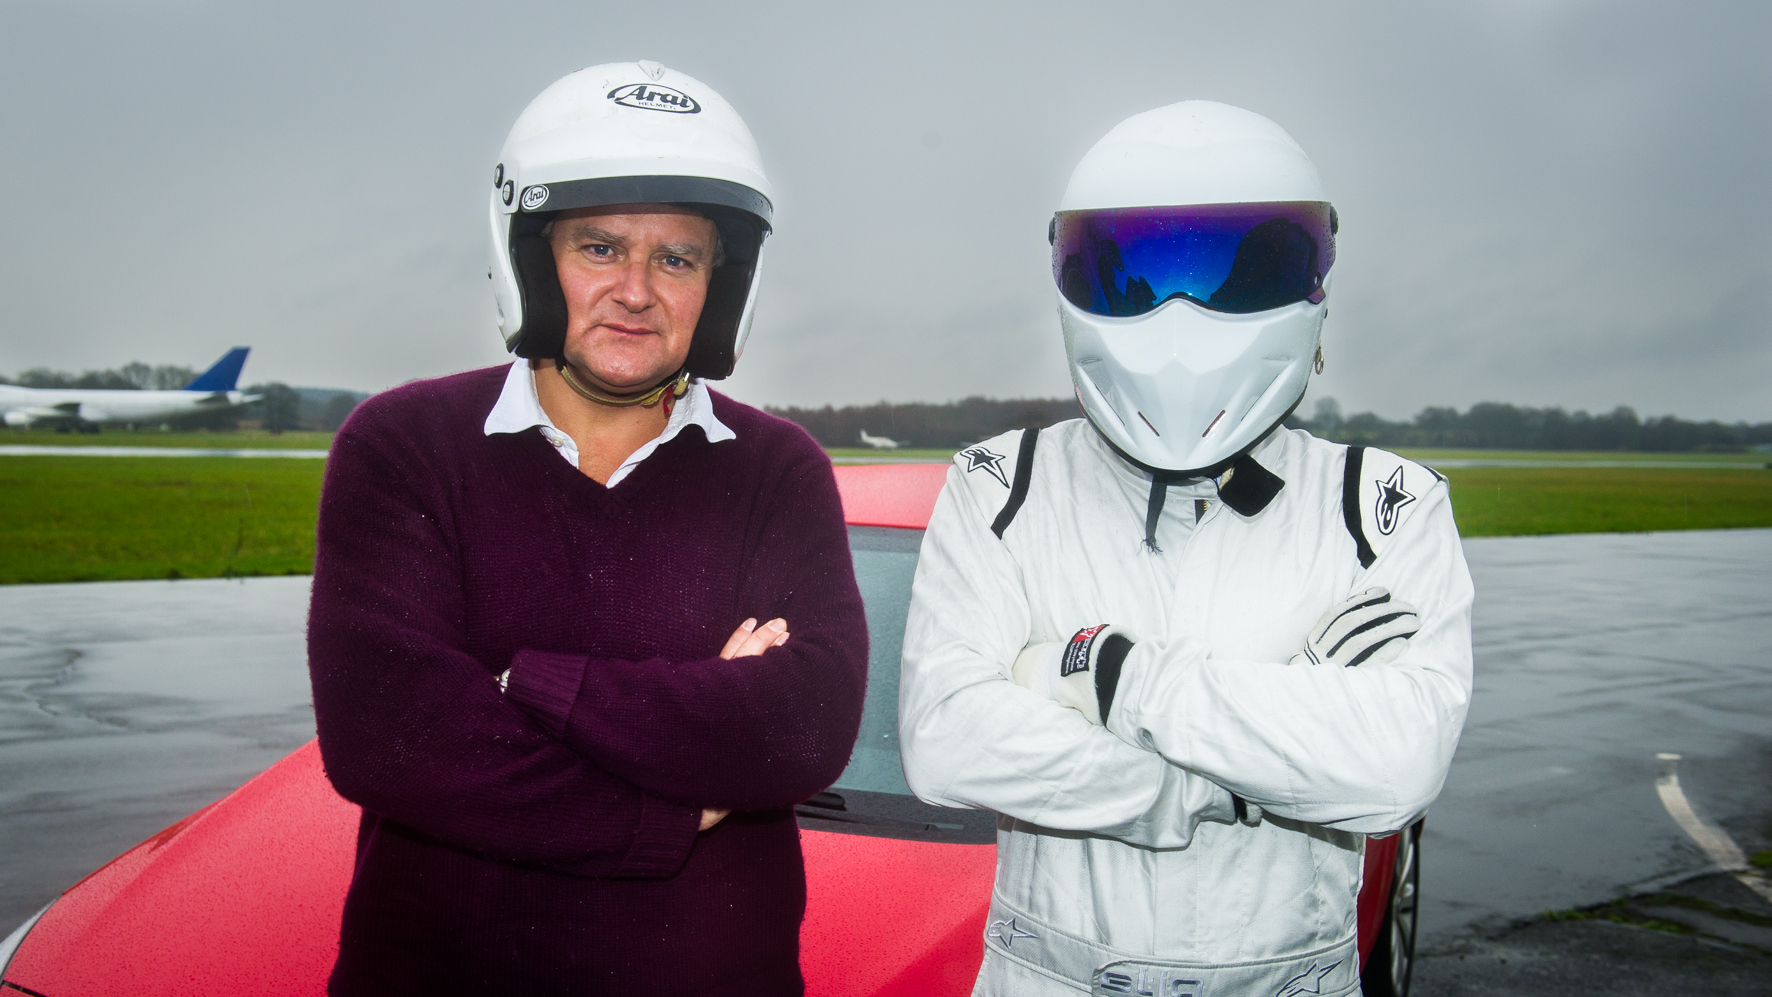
{"points": [[126, 705], [1595, 654]]}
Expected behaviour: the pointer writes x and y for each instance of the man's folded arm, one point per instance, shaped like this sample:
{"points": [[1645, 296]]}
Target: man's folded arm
{"points": [[1365, 748], [414, 729], [970, 737], [761, 731]]}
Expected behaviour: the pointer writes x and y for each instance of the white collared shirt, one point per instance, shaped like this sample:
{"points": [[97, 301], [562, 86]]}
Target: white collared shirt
{"points": [[519, 408]]}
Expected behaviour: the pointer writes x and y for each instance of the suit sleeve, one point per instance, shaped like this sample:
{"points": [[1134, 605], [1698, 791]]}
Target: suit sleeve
{"points": [[970, 737], [754, 732], [1362, 749], [414, 728]]}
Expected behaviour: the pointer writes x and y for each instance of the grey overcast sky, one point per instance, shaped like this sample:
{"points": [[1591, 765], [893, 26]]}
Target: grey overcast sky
{"points": [[1545, 203]]}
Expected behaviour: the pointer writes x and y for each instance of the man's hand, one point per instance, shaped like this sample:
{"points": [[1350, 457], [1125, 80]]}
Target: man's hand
{"points": [[750, 639], [1076, 672], [747, 641], [1369, 629]]}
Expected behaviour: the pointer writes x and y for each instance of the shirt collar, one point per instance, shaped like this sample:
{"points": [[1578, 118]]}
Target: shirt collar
{"points": [[519, 408]]}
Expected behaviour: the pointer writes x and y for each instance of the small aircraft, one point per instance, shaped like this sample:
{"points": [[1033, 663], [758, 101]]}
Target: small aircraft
{"points": [[84, 409], [879, 442]]}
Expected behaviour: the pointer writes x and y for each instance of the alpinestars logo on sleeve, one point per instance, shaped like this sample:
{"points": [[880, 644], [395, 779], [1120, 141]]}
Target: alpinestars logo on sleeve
{"points": [[977, 457], [1391, 500]]}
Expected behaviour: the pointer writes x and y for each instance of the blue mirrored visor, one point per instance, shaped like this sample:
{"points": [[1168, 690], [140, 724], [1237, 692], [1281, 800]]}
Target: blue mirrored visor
{"points": [[1235, 258]]}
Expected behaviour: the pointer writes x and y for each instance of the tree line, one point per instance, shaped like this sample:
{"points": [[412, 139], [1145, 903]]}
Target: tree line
{"points": [[281, 407], [1500, 426], [1486, 425]]}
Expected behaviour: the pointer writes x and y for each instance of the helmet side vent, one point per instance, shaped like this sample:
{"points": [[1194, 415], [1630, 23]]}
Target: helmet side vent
{"points": [[1099, 376]]}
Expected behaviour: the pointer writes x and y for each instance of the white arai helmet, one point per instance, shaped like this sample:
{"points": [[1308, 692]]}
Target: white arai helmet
{"points": [[1192, 253], [627, 133]]}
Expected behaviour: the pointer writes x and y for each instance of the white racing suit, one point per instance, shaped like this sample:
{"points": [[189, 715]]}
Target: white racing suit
{"points": [[1121, 864]]}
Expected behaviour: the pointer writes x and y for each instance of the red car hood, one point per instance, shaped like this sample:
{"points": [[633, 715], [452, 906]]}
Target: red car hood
{"points": [[245, 897]]}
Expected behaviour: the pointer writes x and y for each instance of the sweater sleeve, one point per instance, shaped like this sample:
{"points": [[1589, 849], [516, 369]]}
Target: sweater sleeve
{"points": [[414, 728], [749, 733]]}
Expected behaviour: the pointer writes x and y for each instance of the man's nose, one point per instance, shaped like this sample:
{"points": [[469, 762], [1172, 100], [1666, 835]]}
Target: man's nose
{"points": [[634, 290]]}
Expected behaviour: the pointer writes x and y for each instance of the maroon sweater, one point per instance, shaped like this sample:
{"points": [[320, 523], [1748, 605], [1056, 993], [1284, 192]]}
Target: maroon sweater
{"points": [[544, 841]]}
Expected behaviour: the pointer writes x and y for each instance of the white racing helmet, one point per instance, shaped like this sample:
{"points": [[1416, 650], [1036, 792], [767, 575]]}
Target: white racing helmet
{"points": [[627, 133], [1192, 253]]}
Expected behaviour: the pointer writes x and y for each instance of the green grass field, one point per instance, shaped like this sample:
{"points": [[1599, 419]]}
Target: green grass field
{"points": [[1521, 501], [71, 519], [243, 439], [907, 453], [1597, 456], [106, 518]]}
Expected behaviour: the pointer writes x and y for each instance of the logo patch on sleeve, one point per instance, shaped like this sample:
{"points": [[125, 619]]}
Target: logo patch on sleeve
{"points": [[1391, 500], [1076, 653], [977, 457]]}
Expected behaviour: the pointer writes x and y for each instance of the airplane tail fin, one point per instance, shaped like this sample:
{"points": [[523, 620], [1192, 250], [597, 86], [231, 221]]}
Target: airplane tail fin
{"points": [[224, 375]]}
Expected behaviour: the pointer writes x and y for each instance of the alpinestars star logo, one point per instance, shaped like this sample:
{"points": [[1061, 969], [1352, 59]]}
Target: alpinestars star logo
{"points": [[1006, 932], [977, 457], [1391, 500], [1312, 977]]}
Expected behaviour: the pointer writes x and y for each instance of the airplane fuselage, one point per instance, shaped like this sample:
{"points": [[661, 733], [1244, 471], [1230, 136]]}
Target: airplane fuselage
{"points": [[878, 442], [24, 406]]}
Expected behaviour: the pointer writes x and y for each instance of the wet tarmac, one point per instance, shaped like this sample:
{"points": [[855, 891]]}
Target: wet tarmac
{"points": [[1595, 655], [125, 705]]}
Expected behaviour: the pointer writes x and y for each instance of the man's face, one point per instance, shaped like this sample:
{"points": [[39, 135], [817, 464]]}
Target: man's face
{"points": [[635, 278]]}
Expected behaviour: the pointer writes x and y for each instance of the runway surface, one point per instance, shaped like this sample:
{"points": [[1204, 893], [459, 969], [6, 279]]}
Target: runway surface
{"points": [[126, 705]]}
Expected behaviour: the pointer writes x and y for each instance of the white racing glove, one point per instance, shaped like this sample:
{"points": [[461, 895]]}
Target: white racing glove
{"points": [[1368, 629], [1080, 673]]}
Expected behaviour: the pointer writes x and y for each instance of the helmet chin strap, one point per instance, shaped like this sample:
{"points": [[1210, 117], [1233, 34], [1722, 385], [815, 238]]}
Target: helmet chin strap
{"points": [[668, 392]]}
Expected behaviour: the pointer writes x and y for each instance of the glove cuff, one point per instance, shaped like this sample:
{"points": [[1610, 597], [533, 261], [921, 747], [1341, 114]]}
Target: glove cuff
{"points": [[1108, 661], [1102, 650]]}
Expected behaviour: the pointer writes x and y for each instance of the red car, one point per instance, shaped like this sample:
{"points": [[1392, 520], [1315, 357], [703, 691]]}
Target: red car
{"points": [[244, 896]]}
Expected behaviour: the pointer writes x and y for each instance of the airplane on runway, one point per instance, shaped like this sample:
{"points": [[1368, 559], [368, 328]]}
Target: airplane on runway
{"points": [[879, 442], [84, 409]]}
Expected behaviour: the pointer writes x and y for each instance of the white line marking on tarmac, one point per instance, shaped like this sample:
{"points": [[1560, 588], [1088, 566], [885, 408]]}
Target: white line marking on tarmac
{"points": [[1714, 840]]}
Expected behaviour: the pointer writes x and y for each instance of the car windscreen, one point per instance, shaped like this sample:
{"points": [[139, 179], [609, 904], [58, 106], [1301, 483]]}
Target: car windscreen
{"points": [[871, 797]]}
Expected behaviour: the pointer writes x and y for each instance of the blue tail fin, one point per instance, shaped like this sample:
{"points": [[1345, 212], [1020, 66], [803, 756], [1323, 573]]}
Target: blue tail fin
{"points": [[224, 375]]}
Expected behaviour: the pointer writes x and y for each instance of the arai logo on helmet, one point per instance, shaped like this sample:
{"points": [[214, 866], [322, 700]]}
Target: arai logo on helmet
{"points": [[652, 97], [534, 197]]}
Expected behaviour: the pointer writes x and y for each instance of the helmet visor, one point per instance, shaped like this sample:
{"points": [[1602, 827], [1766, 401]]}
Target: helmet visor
{"points": [[1235, 258]]}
